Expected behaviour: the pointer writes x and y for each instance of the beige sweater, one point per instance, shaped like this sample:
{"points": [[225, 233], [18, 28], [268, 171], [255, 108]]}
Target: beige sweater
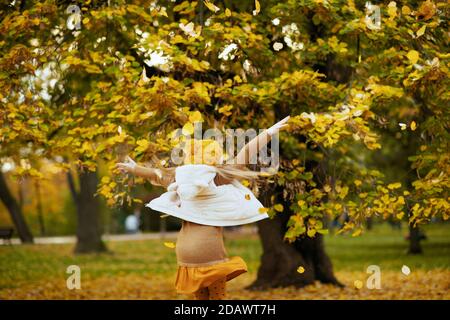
{"points": [[200, 245]]}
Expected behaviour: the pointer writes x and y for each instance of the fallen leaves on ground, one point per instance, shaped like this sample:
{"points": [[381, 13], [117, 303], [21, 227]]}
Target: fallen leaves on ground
{"points": [[433, 284]]}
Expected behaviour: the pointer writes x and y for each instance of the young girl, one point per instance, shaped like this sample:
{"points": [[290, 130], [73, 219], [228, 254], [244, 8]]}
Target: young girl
{"points": [[207, 196]]}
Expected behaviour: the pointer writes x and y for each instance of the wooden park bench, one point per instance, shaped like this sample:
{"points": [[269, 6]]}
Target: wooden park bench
{"points": [[6, 234]]}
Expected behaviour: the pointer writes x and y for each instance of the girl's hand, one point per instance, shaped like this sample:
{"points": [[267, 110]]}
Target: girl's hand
{"points": [[277, 126], [127, 166]]}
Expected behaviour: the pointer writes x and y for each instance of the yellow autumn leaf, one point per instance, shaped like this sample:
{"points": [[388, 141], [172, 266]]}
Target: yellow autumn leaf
{"points": [[263, 210], [226, 109], [170, 245], [247, 197], [413, 56], [278, 207], [426, 10], [311, 233], [211, 6], [227, 12], [327, 188], [406, 10], [357, 182], [142, 145], [393, 186], [358, 284], [257, 8], [300, 269], [195, 116], [392, 9], [413, 126], [188, 129], [421, 31]]}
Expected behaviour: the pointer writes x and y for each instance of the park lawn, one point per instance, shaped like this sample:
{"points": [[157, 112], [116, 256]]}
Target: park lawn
{"points": [[146, 269]]}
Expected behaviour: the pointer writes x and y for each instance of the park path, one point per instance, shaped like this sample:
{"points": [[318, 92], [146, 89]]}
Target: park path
{"points": [[108, 237], [127, 237]]}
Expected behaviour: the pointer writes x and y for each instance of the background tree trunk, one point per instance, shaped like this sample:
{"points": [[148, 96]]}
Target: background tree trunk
{"points": [[89, 236], [15, 212], [414, 240], [280, 260], [40, 211]]}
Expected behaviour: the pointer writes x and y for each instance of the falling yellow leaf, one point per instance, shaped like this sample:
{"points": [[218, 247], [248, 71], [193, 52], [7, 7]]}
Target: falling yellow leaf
{"points": [[263, 210], [211, 6], [358, 284], [402, 126], [228, 12], [278, 207], [421, 31], [188, 129], [247, 197], [163, 12], [300, 269], [413, 126], [170, 245], [413, 56], [257, 8], [195, 116], [406, 270]]}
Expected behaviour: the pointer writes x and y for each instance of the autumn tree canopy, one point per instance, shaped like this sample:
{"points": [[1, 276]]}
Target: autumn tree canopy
{"points": [[81, 82]]}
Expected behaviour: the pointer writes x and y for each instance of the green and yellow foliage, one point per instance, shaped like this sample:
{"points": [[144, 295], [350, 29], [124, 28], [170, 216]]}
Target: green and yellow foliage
{"points": [[82, 94]]}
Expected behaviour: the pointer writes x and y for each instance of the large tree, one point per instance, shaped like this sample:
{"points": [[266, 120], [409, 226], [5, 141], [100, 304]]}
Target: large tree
{"points": [[134, 72]]}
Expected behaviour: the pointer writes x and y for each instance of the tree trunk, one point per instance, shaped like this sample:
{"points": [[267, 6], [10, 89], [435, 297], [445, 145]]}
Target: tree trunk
{"points": [[280, 260], [39, 209], [89, 237], [15, 212], [414, 240]]}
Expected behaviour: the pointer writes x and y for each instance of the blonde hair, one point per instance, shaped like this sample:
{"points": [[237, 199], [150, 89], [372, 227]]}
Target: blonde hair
{"points": [[209, 152], [206, 151]]}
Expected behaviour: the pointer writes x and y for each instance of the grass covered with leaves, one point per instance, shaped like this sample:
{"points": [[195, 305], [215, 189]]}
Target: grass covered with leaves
{"points": [[146, 269]]}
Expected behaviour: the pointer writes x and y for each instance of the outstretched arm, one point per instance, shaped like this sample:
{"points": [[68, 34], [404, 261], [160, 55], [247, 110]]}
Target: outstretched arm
{"points": [[155, 176], [253, 147]]}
